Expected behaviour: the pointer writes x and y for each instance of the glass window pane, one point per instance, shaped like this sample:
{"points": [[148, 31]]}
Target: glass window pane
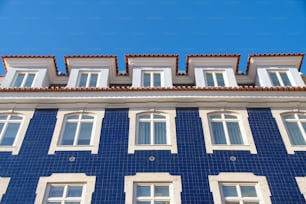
{"points": [[93, 80], [10, 134], [285, 79], [161, 191], [157, 82], [231, 202], [3, 117], [69, 134], [274, 79], [85, 133], [144, 130], [162, 202], [50, 202], [156, 116], [19, 80], [248, 191], [229, 191], [210, 79], [143, 202], [218, 133], [72, 117], [295, 134], [234, 133], [29, 80], [72, 202], [144, 116], [160, 133], [83, 80], [251, 202], [230, 116], [1, 127], [74, 191], [288, 117], [215, 117], [146, 80], [220, 79], [87, 117], [56, 191], [301, 116], [143, 191], [15, 117]]}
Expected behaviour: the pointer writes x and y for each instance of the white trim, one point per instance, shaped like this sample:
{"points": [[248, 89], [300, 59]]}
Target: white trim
{"points": [[171, 130], [176, 181], [4, 182], [244, 127], [214, 183], [277, 114], [27, 116], [66, 178], [301, 181], [98, 114]]}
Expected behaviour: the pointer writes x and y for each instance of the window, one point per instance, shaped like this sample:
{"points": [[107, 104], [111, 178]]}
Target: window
{"points": [[89, 79], [152, 188], [24, 80], [301, 181], [239, 188], [227, 130], [292, 127], [214, 79], [4, 182], [13, 127], [65, 188], [279, 78], [152, 79], [78, 131], [152, 129]]}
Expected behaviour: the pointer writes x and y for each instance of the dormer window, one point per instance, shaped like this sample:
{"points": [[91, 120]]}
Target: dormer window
{"points": [[24, 79], [88, 79], [152, 79], [214, 79], [279, 78]]}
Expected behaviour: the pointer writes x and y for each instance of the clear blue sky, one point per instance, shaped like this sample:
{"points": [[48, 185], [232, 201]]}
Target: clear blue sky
{"points": [[113, 27]]}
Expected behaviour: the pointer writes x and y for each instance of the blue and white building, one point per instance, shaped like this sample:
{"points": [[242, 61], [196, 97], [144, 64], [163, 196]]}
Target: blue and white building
{"points": [[153, 134]]}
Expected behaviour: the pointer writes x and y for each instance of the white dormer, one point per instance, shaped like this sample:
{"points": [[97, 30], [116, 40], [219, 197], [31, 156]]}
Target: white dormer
{"points": [[29, 71], [275, 70], [89, 71], [213, 70], [152, 70]]}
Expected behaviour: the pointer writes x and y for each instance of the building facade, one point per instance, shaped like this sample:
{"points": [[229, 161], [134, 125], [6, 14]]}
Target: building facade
{"points": [[153, 134]]}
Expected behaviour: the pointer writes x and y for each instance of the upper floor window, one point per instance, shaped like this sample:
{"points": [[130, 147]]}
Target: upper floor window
{"points": [[64, 193], [152, 193], [24, 79], [214, 79], [279, 78], [152, 79], [77, 131], [88, 79]]}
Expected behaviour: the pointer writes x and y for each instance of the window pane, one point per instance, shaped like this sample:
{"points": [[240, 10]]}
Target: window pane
{"points": [[143, 133], [233, 202], [301, 116], [29, 80], [209, 79], [274, 79], [74, 191], [1, 127], [251, 202], [160, 135], [156, 116], [144, 116], [56, 191], [220, 79], [162, 202], [230, 117], [143, 202], [15, 117], [3, 117], [288, 117], [248, 191], [218, 133], [285, 79], [142, 191], [10, 134], [54, 202], [156, 79], [87, 117], [85, 133], [93, 80], [234, 133], [83, 80], [146, 80], [215, 117], [72, 202], [73, 117], [19, 80], [161, 191], [69, 134], [295, 133], [229, 191]]}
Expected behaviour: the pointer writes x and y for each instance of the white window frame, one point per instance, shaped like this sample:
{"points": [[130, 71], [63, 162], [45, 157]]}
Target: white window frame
{"points": [[262, 186], [152, 72], [24, 79], [277, 114], [170, 114], [279, 78], [27, 116], [66, 178], [174, 182], [245, 129], [89, 73], [98, 115], [214, 72], [4, 182], [301, 181]]}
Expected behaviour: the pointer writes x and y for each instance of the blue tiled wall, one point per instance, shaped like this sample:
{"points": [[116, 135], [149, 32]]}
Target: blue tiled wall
{"points": [[191, 163]]}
